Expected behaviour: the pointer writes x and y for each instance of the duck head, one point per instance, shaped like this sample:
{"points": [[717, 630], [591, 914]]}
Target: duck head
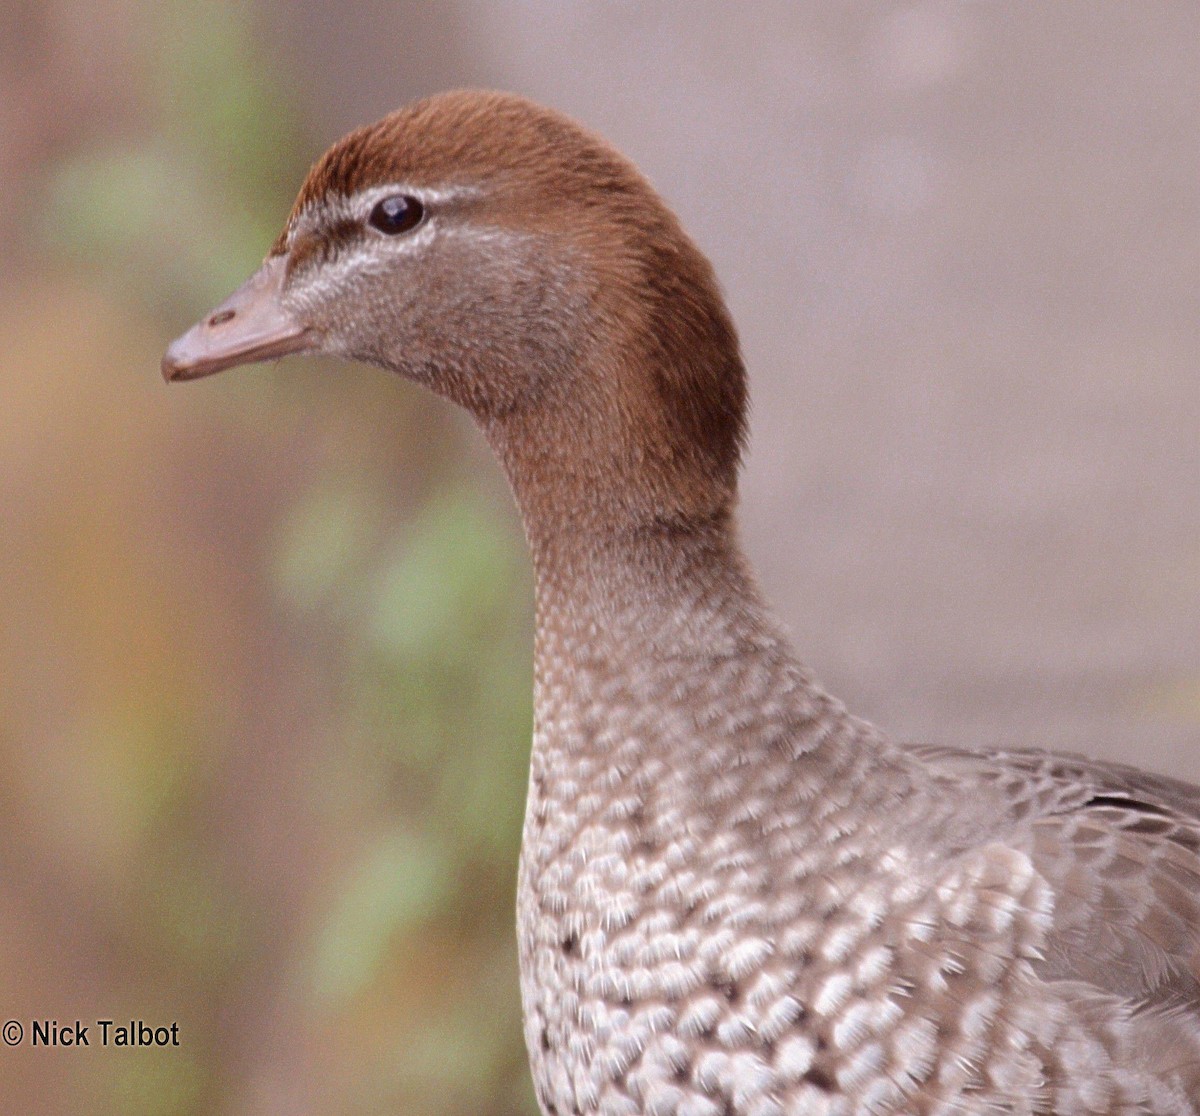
{"points": [[499, 254]]}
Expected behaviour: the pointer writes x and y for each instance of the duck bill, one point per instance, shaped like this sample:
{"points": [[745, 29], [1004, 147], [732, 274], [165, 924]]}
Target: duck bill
{"points": [[250, 325]]}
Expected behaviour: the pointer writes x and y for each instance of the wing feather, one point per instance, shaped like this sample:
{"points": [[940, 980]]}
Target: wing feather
{"points": [[1119, 850]]}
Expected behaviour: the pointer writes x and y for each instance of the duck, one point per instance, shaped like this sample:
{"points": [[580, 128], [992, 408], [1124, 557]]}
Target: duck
{"points": [[735, 898]]}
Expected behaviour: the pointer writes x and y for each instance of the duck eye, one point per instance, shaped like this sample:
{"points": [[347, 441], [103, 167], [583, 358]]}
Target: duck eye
{"points": [[396, 214]]}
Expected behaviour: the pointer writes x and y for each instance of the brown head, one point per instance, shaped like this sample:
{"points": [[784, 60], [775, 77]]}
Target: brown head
{"points": [[496, 252]]}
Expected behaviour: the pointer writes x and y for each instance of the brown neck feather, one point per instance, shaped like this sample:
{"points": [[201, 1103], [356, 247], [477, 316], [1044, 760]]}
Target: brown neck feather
{"points": [[641, 423]]}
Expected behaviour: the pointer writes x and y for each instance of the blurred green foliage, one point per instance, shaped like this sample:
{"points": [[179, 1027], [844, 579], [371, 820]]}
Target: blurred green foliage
{"points": [[326, 902], [190, 206]]}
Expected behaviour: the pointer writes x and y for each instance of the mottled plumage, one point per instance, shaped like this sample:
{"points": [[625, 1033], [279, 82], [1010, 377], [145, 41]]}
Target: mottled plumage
{"points": [[735, 899]]}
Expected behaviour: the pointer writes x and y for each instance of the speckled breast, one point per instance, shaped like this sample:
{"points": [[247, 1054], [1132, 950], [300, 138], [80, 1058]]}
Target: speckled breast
{"points": [[683, 954]]}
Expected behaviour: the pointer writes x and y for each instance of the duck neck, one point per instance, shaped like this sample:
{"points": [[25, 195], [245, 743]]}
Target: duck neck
{"points": [[650, 628], [651, 594], [652, 639]]}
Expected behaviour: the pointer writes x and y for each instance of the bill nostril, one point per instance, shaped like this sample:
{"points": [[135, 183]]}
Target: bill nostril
{"points": [[221, 317]]}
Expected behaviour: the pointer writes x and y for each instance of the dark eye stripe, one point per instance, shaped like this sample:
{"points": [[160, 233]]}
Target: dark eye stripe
{"points": [[312, 249], [343, 232], [396, 214]]}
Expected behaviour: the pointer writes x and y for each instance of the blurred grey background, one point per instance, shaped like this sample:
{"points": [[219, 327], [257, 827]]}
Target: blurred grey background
{"points": [[264, 685]]}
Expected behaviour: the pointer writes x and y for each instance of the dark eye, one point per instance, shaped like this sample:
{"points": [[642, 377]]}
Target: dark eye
{"points": [[396, 214]]}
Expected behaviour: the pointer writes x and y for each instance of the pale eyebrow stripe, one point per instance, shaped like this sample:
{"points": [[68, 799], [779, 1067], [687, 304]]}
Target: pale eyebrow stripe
{"points": [[338, 207]]}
